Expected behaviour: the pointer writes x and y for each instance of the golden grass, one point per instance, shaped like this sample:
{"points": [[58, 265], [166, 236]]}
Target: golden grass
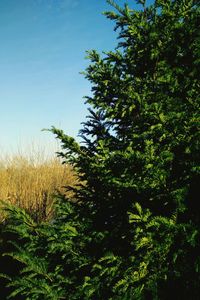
{"points": [[31, 183]]}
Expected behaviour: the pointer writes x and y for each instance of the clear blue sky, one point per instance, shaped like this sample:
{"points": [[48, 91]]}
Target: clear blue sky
{"points": [[43, 44]]}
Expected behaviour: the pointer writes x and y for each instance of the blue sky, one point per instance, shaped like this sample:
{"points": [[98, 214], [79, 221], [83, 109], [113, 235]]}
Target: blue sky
{"points": [[43, 44]]}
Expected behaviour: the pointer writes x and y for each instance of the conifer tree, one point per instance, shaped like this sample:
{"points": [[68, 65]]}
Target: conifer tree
{"points": [[132, 229]]}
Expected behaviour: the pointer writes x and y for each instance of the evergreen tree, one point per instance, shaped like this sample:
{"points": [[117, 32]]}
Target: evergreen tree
{"points": [[132, 229]]}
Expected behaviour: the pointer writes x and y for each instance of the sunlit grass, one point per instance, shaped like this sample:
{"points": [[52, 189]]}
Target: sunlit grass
{"points": [[31, 181]]}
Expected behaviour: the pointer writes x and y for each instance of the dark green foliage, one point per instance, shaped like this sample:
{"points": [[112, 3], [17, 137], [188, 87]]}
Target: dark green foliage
{"points": [[133, 231]]}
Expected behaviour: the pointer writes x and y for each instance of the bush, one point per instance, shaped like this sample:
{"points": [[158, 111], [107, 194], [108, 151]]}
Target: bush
{"points": [[133, 232]]}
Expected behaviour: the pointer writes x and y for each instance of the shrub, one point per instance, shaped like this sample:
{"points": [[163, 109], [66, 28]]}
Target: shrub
{"points": [[134, 231]]}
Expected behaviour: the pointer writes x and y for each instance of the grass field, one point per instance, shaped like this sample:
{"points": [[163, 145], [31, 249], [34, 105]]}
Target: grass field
{"points": [[32, 181]]}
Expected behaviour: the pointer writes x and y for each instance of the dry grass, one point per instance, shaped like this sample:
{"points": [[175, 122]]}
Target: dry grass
{"points": [[31, 182]]}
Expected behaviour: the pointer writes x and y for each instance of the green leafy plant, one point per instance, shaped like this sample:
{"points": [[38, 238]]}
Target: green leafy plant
{"points": [[133, 230]]}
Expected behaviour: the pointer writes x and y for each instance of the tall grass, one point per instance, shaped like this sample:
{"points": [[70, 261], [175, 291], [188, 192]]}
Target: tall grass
{"points": [[31, 181]]}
